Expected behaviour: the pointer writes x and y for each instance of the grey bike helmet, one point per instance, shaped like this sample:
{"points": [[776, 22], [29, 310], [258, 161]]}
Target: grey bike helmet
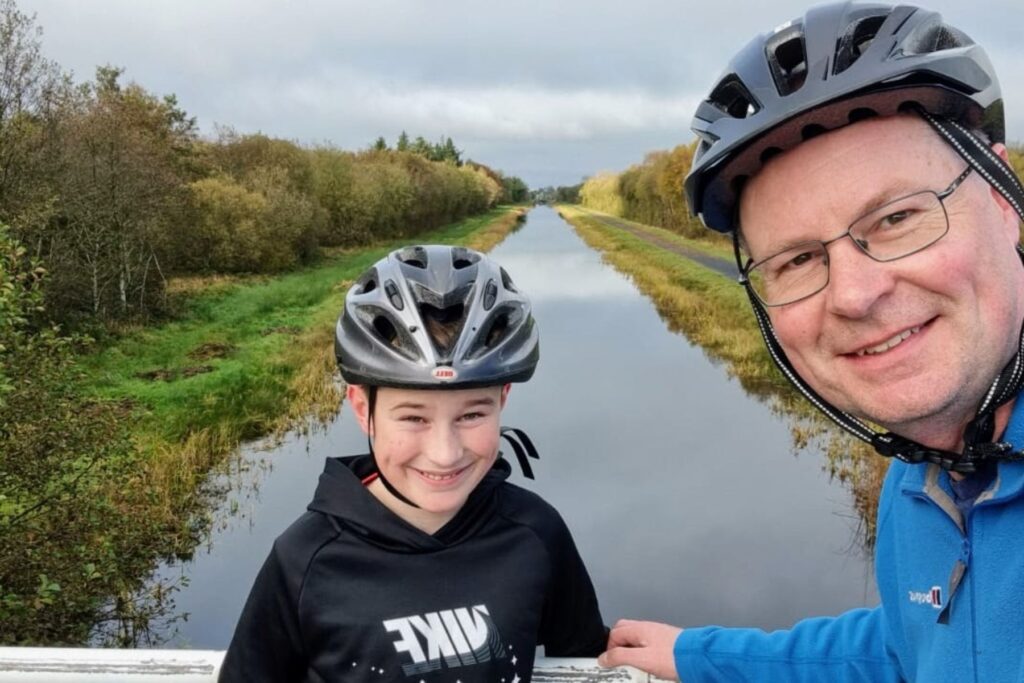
{"points": [[836, 65], [382, 336]]}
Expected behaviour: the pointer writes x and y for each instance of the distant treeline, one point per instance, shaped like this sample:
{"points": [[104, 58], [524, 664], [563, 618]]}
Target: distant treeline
{"points": [[652, 192], [113, 188]]}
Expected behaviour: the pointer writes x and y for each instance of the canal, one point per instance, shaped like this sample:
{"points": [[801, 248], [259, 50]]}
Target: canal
{"points": [[684, 493]]}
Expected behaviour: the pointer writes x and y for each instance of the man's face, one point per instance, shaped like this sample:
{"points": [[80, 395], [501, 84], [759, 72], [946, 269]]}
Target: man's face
{"points": [[910, 344]]}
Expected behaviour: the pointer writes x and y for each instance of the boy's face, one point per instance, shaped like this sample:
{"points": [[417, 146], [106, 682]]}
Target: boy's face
{"points": [[434, 446]]}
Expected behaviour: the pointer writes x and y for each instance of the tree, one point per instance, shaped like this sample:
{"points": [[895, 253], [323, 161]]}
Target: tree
{"points": [[422, 147], [515, 190], [31, 88], [447, 152], [120, 196], [403, 142], [380, 144]]}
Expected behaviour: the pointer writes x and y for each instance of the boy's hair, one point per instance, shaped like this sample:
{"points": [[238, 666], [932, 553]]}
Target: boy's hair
{"points": [[443, 325]]}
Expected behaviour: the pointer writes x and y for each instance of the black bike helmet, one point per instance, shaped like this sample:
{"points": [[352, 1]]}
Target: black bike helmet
{"points": [[383, 339], [836, 65]]}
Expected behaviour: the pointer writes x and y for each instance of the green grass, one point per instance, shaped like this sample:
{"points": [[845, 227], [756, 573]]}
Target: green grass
{"points": [[258, 323], [713, 245]]}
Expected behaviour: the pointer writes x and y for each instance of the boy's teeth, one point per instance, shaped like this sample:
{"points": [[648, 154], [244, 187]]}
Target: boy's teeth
{"points": [[438, 477], [889, 343]]}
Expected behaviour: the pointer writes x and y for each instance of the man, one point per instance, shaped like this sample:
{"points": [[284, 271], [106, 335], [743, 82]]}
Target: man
{"points": [[856, 156]]}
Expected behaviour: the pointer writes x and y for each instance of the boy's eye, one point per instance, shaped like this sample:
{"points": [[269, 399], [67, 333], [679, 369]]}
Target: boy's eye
{"points": [[472, 416], [415, 419]]}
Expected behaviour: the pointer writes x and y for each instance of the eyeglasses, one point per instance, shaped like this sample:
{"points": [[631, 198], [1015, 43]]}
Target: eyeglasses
{"points": [[899, 228]]}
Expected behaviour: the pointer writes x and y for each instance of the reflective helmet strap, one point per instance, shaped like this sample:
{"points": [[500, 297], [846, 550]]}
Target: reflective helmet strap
{"points": [[981, 158]]}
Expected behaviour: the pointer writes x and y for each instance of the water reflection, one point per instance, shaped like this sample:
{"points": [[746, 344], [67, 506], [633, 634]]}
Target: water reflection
{"points": [[681, 490]]}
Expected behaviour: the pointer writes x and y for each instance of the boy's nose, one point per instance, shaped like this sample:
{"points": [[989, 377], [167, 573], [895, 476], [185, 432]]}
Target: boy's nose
{"points": [[445, 448]]}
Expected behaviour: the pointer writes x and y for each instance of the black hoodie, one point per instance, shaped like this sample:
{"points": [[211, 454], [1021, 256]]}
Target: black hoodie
{"points": [[352, 592]]}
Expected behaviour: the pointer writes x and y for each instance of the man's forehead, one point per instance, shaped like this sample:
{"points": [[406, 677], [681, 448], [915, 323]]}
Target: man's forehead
{"points": [[844, 173]]}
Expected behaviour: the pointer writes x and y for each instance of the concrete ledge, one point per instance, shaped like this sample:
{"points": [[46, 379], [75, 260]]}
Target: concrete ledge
{"points": [[88, 665]]}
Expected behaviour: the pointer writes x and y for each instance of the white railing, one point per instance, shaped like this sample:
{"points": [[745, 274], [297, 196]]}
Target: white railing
{"points": [[87, 665]]}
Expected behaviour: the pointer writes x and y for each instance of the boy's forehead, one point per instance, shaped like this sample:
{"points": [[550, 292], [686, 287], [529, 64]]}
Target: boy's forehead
{"points": [[436, 397]]}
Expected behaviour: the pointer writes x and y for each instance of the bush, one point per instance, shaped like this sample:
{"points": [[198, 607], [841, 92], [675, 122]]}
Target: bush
{"points": [[57, 447]]}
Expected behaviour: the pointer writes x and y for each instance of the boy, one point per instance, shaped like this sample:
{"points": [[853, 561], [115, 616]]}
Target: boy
{"points": [[418, 561]]}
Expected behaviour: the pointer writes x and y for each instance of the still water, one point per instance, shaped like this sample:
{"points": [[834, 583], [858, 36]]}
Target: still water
{"points": [[683, 493]]}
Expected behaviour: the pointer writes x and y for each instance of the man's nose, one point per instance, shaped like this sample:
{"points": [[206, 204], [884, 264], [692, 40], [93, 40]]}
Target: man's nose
{"points": [[855, 280]]}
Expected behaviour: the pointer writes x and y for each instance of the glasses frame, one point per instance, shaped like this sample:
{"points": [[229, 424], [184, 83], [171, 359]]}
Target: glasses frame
{"points": [[942, 195]]}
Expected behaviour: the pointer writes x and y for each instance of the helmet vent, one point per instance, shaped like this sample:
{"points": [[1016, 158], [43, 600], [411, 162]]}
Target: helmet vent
{"points": [[934, 36], [413, 256], [463, 258], [386, 329], [856, 41], [769, 153], [506, 281], [498, 331], [787, 57], [369, 286], [860, 114], [443, 325], [733, 98], [811, 130]]}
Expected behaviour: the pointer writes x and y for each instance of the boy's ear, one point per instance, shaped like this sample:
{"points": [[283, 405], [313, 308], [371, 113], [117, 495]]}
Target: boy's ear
{"points": [[360, 403], [504, 394]]}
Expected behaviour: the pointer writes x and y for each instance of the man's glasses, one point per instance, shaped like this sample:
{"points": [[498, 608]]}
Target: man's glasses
{"points": [[899, 228]]}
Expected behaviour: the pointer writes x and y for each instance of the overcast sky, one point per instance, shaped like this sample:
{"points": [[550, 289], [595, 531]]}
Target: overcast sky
{"points": [[548, 91]]}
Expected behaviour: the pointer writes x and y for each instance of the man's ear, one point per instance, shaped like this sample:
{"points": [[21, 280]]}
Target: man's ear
{"points": [[360, 403], [504, 395], [1010, 217]]}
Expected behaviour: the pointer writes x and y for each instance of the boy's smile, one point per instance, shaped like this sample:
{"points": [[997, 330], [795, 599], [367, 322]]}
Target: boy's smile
{"points": [[433, 446]]}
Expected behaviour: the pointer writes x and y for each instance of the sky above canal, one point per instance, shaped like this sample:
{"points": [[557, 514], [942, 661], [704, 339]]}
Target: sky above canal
{"points": [[548, 90]]}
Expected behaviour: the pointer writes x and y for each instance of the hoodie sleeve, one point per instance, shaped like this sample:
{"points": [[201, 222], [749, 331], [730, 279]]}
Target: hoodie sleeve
{"points": [[572, 624], [267, 644], [851, 647]]}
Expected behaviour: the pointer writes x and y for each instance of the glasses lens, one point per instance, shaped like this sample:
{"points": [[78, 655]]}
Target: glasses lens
{"points": [[790, 275], [901, 227]]}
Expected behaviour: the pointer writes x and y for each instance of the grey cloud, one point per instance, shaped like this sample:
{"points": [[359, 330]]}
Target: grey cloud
{"points": [[513, 83]]}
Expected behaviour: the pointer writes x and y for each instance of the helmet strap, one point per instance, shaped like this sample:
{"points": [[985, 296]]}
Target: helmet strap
{"points": [[371, 395], [979, 155]]}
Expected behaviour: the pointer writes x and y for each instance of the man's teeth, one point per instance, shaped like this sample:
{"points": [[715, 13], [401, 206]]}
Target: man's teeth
{"points": [[889, 343]]}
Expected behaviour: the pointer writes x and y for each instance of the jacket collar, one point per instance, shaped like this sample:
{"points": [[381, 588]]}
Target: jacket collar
{"points": [[931, 481]]}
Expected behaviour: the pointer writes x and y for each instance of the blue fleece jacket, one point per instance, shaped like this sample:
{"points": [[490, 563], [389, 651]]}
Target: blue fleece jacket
{"points": [[951, 590]]}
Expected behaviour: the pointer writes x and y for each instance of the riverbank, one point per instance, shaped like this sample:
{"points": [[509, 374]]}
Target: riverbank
{"points": [[243, 358], [713, 312]]}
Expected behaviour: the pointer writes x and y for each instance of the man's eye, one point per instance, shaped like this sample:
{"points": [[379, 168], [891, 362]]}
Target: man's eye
{"points": [[415, 419], [894, 218], [468, 417], [793, 262], [800, 259]]}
